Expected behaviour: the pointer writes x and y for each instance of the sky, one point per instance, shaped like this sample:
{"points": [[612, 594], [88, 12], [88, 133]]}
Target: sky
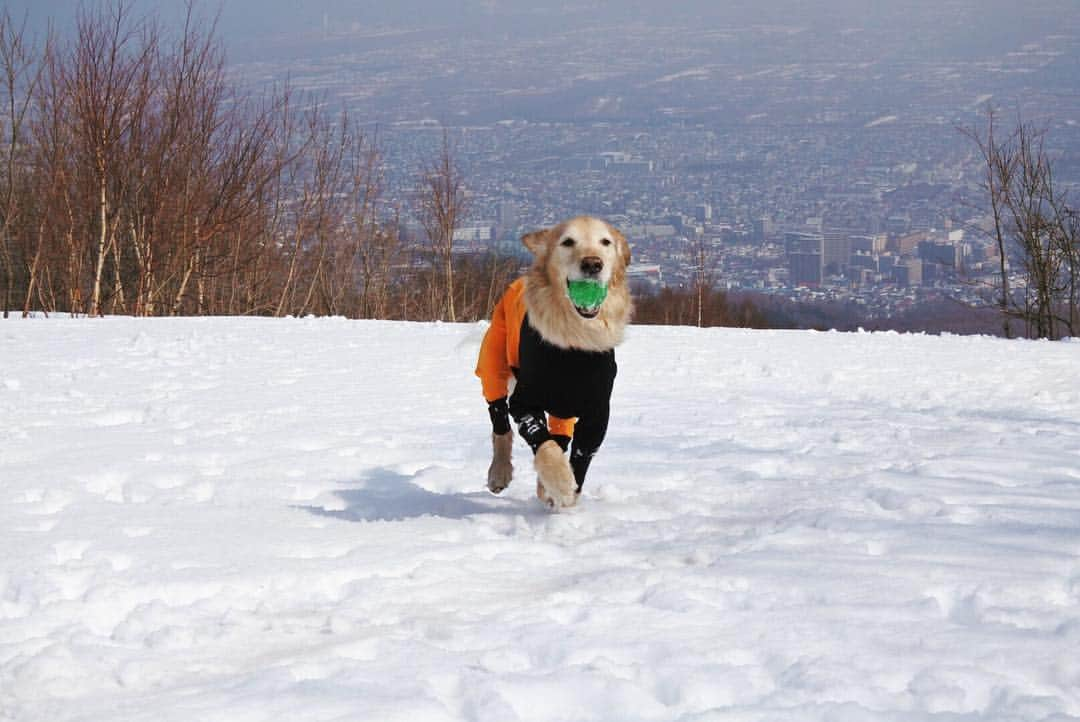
{"points": [[247, 19]]}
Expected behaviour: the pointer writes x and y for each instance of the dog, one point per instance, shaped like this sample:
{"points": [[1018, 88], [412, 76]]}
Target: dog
{"points": [[548, 357]]}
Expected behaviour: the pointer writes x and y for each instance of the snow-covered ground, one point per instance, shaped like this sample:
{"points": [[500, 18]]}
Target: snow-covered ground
{"points": [[241, 520]]}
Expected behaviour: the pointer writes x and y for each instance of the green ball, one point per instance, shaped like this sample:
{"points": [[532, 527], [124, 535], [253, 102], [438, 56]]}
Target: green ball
{"points": [[586, 293]]}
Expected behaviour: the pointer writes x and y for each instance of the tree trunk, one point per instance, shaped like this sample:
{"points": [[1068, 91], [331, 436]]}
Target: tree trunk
{"points": [[32, 279], [451, 315], [103, 207]]}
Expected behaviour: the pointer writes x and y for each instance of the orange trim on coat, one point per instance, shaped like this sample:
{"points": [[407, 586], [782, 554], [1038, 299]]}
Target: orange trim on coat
{"points": [[560, 427]]}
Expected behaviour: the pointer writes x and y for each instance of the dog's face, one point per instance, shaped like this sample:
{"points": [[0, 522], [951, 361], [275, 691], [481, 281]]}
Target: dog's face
{"points": [[581, 249]]}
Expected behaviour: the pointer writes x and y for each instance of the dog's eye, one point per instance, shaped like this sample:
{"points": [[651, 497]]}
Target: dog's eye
{"points": [[605, 242], [568, 242]]}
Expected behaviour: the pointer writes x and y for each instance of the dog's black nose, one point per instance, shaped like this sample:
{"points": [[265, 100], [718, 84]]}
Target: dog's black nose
{"points": [[591, 265]]}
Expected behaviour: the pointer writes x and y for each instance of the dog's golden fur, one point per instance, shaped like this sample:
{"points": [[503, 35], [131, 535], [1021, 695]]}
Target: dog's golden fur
{"points": [[555, 485], [550, 311]]}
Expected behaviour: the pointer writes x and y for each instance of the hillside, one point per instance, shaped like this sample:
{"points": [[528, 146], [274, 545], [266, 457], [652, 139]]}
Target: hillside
{"points": [[226, 519]]}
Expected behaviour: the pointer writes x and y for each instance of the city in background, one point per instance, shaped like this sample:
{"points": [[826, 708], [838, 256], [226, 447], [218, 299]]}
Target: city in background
{"points": [[815, 155]]}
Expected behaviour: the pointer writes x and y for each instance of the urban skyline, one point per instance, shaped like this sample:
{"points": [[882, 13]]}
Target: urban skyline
{"points": [[815, 152], [733, 136]]}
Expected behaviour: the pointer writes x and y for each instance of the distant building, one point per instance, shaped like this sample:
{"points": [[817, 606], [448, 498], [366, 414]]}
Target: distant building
{"points": [[897, 225], [872, 244], [763, 229], [863, 276], [474, 234], [835, 250], [805, 269], [864, 261], [653, 230], [921, 220], [943, 254], [906, 244], [508, 215], [648, 274], [799, 242], [886, 262], [804, 255], [624, 162], [908, 273]]}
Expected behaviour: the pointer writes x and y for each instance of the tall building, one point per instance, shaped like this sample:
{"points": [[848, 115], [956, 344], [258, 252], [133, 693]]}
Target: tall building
{"points": [[799, 242], [763, 229], [869, 244], [908, 273], [835, 250], [805, 269], [906, 245], [945, 254], [507, 216], [804, 254]]}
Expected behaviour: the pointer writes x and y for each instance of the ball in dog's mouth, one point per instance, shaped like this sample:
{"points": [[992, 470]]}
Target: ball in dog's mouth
{"points": [[586, 295]]}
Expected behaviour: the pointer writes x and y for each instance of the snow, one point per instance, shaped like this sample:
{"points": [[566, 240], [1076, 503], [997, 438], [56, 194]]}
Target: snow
{"points": [[254, 519]]}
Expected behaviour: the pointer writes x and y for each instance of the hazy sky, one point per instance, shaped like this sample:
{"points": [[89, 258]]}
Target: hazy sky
{"points": [[940, 29], [247, 18]]}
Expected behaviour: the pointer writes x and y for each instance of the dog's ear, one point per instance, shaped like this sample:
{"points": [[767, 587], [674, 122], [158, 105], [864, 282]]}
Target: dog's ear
{"points": [[536, 240], [621, 244]]}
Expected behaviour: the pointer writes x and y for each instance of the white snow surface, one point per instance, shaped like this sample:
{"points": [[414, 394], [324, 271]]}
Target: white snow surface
{"points": [[254, 519]]}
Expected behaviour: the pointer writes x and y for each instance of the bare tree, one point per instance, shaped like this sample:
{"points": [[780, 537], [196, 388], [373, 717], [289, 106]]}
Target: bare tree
{"points": [[705, 263], [242, 163], [441, 206], [108, 76], [998, 169], [1034, 228], [136, 179], [376, 245], [55, 270], [169, 156], [1068, 241], [20, 68]]}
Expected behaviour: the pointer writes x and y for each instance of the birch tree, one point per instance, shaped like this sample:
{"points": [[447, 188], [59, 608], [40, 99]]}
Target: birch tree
{"points": [[442, 204]]}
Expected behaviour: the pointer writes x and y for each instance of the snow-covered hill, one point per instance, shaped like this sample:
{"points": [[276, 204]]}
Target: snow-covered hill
{"points": [[285, 520]]}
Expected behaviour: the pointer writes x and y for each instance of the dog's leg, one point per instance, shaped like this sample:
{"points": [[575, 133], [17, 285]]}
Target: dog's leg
{"points": [[542, 495], [501, 470], [554, 476], [588, 435]]}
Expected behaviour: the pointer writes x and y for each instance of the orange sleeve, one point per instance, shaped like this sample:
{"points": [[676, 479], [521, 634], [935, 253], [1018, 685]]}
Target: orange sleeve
{"points": [[493, 366]]}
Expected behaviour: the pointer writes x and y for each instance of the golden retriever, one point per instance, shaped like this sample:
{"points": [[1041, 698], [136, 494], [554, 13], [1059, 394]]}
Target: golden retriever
{"points": [[553, 333]]}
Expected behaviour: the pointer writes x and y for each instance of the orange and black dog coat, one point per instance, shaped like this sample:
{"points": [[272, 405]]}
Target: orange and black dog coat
{"points": [[560, 394]]}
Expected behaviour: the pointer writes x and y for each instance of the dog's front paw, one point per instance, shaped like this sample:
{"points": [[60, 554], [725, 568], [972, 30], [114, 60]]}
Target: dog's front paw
{"points": [[542, 495], [499, 475], [501, 470], [546, 500], [555, 479]]}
